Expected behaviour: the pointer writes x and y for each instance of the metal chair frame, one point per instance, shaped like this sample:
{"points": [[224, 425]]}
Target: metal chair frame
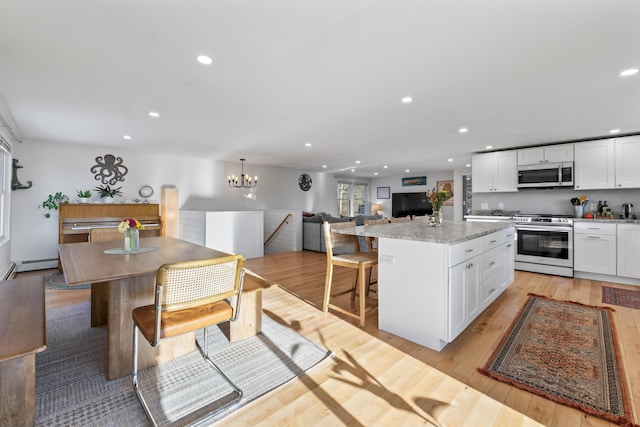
{"points": [[161, 306]]}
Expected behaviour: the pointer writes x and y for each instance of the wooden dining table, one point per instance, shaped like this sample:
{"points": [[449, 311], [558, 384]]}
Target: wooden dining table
{"points": [[130, 279]]}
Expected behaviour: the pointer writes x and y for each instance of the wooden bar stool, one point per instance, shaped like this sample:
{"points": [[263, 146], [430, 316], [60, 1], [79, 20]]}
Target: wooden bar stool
{"points": [[361, 261]]}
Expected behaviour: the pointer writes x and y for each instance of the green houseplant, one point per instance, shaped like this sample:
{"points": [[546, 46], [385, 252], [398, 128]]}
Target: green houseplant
{"points": [[84, 195], [107, 193], [53, 202]]}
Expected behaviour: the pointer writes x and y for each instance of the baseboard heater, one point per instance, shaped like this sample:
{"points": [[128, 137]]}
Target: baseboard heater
{"points": [[9, 272], [38, 264]]}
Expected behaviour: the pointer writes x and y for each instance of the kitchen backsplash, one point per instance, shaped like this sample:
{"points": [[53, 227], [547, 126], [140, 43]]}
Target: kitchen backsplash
{"points": [[555, 201]]}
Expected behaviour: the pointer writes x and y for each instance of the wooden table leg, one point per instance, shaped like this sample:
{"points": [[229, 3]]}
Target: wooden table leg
{"points": [[18, 391], [124, 296], [249, 321], [99, 304]]}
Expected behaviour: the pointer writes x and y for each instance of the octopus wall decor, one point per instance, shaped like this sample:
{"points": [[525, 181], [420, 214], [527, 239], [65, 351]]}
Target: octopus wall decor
{"points": [[109, 169]]}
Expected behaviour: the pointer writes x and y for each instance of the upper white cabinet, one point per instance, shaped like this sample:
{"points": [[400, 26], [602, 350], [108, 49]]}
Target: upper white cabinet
{"points": [[549, 154], [607, 163], [595, 165], [495, 172], [627, 153]]}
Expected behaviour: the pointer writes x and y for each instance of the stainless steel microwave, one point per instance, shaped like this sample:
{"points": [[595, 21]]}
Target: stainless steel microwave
{"points": [[545, 175]]}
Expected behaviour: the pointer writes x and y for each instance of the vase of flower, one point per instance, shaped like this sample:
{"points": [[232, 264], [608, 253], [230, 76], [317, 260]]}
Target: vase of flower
{"points": [[436, 218], [131, 240], [437, 198], [130, 228]]}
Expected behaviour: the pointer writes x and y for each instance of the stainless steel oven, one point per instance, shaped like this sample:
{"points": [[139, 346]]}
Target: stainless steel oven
{"points": [[544, 244]]}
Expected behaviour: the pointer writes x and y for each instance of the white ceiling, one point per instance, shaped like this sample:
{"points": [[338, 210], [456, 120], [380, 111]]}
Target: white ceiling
{"points": [[329, 72]]}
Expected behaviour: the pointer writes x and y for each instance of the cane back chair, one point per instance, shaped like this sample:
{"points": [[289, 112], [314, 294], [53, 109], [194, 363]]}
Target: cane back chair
{"points": [[189, 296]]}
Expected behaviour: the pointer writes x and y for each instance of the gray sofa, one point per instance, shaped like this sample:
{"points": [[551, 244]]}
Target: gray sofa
{"points": [[313, 234]]}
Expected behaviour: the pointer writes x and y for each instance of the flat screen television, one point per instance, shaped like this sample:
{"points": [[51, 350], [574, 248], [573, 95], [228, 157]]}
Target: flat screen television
{"points": [[403, 204]]}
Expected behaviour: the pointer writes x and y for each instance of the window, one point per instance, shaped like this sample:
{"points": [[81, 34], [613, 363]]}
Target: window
{"points": [[352, 198], [5, 187]]}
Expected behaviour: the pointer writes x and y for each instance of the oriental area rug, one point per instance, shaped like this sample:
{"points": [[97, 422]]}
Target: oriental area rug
{"points": [[72, 388], [566, 352], [623, 297]]}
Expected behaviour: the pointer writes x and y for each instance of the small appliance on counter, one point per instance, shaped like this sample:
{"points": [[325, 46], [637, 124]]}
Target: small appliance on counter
{"points": [[627, 210]]}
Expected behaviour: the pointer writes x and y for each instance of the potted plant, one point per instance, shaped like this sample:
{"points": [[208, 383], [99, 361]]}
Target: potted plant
{"points": [[107, 193], [53, 202], [84, 195]]}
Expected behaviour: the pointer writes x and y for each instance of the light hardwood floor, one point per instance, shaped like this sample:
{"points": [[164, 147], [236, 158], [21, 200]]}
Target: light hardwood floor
{"points": [[376, 378]]}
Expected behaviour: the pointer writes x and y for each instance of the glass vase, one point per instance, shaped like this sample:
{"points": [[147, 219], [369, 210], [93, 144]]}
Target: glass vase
{"points": [[436, 218], [131, 240]]}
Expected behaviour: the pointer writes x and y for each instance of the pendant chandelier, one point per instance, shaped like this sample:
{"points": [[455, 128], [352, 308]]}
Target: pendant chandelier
{"points": [[243, 181]]}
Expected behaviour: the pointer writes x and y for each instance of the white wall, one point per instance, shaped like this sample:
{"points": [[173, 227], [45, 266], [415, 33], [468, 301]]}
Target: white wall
{"points": [[395, 184], [201, 184]]}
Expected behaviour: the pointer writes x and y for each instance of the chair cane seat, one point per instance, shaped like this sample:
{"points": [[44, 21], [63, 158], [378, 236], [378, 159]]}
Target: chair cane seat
{"points": [[356, 258], [179, 322]]}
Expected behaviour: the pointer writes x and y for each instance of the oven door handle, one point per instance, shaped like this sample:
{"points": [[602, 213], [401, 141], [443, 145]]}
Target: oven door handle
{"points": [[551, 228]]}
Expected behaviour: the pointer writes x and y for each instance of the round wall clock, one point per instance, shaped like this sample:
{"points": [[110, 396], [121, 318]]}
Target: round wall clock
{"points": [[304, 182], [145, 191]]}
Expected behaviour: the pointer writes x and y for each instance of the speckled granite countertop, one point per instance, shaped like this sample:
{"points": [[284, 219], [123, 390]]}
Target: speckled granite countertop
{"points": [[449, 233]]}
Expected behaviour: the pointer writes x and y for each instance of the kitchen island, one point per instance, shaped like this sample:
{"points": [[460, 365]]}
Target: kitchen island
{"points": [[434, 281]]}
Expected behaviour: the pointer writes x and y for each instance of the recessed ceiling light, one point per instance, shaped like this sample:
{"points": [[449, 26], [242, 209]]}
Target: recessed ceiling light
{"points": [[463, 130], [154, 114], [489, 147], [308, 144], [468, 165], [375, 173], [407, 170], [449, 160], [407, 100], [353, 170], [324, 166], [357, 162], [629, 72], [614, 131], [204, 59], [385, 166], [127, 136]]}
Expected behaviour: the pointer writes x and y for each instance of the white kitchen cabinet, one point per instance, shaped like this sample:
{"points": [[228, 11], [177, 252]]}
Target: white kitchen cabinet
{"points": [[628, 249], [548, 154], [430, 292], [594, 165], [463, 296], [495, 172], [594, 247], [508, 254], [627, 161], [607, 163]]}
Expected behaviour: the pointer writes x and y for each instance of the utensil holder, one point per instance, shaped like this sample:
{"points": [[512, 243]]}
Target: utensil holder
{"points": [[578, 211]]}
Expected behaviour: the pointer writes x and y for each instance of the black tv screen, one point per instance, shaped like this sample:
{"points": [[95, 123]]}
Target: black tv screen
{"points": [[403, 204]]}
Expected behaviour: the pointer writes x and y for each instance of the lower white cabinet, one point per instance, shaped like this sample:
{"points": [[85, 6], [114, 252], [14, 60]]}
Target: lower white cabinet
{"points": [[628, 245], [463, 296], [430, 292], [594, 248]]}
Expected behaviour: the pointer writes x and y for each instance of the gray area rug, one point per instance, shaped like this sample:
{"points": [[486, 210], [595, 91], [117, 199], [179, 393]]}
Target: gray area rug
{"points": [[57, 282], [72, 389]]}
